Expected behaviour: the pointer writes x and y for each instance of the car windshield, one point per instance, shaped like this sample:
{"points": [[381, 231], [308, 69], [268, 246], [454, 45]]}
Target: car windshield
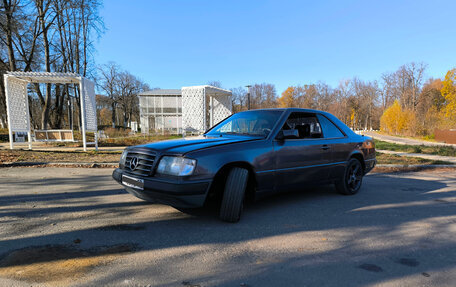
{"points": [[250, 123]]}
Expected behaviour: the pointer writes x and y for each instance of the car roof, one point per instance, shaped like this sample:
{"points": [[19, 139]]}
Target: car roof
{"points": [[289, 109]]}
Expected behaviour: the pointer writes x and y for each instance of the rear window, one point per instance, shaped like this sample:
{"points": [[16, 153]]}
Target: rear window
{"points": [[330, 130]]}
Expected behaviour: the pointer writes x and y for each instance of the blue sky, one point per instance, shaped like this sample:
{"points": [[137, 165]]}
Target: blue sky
{"points": [[175, 43]]}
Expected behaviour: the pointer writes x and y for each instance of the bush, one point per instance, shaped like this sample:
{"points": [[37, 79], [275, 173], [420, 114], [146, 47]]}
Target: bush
{"points": [[116, 132], [4, 136], [135, 140], [429, 137], [417, 149]]}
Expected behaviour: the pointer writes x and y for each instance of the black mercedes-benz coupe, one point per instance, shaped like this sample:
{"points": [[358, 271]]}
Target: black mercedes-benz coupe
{"points": [[247, 155]]}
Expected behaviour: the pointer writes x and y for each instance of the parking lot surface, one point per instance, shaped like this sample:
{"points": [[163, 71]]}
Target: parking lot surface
{"points": [[77, 227]]}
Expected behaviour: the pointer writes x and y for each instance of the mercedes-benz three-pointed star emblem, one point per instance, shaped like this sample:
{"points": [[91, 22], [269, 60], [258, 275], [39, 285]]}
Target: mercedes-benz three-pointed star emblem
{"points": [[134, 163]]}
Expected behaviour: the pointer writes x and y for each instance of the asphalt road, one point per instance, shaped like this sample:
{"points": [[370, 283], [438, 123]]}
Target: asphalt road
{"points": [[76, 227]]}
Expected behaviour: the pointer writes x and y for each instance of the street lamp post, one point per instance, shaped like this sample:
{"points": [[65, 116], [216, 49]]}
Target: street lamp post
{"points": [[248, 96]]}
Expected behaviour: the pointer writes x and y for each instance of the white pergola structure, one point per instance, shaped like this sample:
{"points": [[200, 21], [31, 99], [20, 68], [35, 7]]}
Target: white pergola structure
{"points": [[204, 106], [18, 108]]}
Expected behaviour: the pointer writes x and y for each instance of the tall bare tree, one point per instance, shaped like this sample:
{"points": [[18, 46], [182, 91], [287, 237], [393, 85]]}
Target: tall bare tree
{"points": [[263, 96], [130, 87], [239, 99], [121, 89], [404, 85], [108, 82], [49, 35], [216, 84]]}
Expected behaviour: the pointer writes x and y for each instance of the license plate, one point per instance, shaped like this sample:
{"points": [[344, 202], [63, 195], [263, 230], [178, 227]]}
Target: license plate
{"points": [[133, 182]]}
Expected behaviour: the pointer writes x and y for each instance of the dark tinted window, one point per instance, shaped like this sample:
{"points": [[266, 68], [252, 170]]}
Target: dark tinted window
{"points": [[329, 129], [306, 124]]}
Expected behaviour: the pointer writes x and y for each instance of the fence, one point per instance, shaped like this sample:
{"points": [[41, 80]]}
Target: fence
{"points": [[54, 135], [446, 136]]}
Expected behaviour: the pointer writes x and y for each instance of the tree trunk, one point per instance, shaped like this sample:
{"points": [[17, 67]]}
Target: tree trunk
{"points": [[47, 61], [3, 120], [46, 108], [113, 106], [9, 33], [59, 103], [78, 105], [125, 119]]}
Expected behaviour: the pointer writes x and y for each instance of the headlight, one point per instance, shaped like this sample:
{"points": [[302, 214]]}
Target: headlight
{"points": [[123, 157], [178, 166]]}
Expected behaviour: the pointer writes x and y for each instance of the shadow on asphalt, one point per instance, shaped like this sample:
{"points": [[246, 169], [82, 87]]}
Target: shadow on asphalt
{"points": [[384, 205]]}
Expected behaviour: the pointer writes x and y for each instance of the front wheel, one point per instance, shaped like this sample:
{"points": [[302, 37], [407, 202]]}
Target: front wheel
{"points": [[352, 178], [233, 196]]}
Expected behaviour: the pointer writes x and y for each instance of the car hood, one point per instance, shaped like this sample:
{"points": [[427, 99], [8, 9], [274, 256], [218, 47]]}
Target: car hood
{"points": [[183, 146]]}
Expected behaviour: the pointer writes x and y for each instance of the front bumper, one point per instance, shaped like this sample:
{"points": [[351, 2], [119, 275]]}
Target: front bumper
{"points": [[370, 164], [178, 194]]}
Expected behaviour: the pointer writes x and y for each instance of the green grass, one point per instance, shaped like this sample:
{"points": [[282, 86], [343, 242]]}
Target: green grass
{"points": [[435, 150], [383, 158]]}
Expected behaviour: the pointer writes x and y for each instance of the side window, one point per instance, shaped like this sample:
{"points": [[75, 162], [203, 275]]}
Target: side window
{"points": [[226, 128], [329, 129], [306, 124]]}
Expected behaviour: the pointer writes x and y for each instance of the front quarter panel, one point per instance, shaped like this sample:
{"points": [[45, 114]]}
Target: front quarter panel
{"points": [[258, 154]]}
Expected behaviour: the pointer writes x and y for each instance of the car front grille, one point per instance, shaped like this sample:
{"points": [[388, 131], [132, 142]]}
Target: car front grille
{"points": [[144, 162]]}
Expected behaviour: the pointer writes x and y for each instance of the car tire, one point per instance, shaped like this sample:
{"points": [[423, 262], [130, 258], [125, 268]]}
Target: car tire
{"points": [[352, 178], [233, 195]]}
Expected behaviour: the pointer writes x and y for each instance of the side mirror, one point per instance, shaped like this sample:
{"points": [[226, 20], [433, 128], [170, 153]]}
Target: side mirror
{"points": [[280, 136], [287, 134], [316, 135], [291, 134]]}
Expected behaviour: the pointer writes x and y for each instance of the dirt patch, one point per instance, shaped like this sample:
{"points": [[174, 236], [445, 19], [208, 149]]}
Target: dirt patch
{"points": [[412, 168], [59, 164], [58, 156], [57, 265]]}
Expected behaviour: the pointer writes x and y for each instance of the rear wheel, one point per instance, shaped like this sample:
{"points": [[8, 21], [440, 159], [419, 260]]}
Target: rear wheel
{"points": [[233, 195], [352, 178]]}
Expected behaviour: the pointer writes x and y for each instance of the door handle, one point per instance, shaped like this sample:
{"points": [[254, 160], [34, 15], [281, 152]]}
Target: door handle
{"points": [[324, 147]]}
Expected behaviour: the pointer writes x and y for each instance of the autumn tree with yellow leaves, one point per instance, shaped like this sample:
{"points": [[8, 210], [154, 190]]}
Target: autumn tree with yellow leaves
{"points": [[396, 120], [449, 93], [435, 109], [288, 98]]}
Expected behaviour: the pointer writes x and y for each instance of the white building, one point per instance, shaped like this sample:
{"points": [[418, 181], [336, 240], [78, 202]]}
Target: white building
{"points": [[161, 110], [190, 109]]}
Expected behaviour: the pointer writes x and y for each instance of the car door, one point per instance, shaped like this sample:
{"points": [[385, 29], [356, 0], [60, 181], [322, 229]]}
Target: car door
{"points": [[338, 145], [303, 159]]}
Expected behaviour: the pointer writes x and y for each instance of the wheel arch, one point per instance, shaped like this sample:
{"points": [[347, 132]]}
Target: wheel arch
{"points": [[359, 156], [217, 186]]}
